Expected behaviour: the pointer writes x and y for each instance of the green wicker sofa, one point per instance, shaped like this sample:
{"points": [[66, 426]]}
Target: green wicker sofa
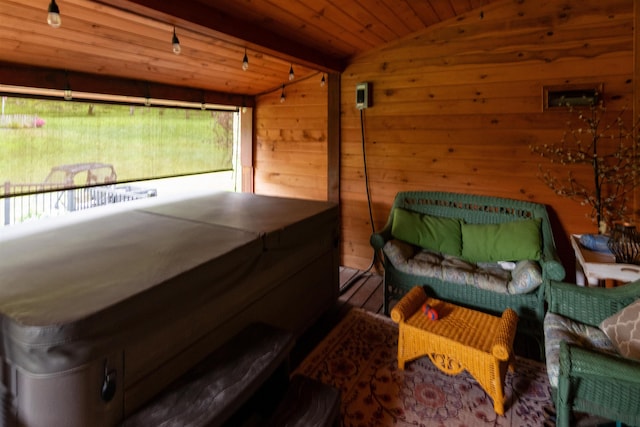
{"points": [[587, 372], [469, 209]]}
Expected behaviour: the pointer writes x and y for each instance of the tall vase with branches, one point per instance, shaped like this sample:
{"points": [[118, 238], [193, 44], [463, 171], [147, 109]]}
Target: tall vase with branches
{"points": [[610, 148]]}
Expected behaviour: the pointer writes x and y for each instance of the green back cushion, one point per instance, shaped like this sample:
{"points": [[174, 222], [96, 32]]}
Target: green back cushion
{"points": [[430, 232], [508, 241]]}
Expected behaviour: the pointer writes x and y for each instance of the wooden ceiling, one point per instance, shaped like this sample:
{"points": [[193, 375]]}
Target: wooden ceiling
{"points": [[132, 38]]}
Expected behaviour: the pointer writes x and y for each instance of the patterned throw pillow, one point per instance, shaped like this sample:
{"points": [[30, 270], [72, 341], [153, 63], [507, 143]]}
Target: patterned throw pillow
{"points": [[623, 329]]}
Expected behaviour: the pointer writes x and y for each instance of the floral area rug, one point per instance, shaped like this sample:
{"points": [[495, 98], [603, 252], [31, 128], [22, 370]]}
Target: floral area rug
{"points": [[359, 358]]}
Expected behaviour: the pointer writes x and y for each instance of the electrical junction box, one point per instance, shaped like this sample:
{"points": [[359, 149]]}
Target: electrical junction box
{"points": [[363, 95]]}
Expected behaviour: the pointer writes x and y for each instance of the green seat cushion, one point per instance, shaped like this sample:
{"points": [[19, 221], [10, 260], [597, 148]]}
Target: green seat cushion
{"points": [[508, 241], [438, 234]]}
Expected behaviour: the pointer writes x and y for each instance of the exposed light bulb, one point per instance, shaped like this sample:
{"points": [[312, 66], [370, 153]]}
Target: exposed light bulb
{"points": [[291, 75], [147, 102], [323, 81], [244, 110], [175, 43], [282, 97], [68, 95], [245, 61], [53, 17]]}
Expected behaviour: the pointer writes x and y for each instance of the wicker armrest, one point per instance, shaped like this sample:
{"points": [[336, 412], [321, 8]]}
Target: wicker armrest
{"points": [[501, 348], [589, 305], [382, 236], [378, 239], [579, 362], [409, 304], [552, 267]]}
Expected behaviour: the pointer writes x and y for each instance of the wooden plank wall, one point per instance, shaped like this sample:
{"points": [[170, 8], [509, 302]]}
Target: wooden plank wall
{"points": [[290, 149], [456, 107]]}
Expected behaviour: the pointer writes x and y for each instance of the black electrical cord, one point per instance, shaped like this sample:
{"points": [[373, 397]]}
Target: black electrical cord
{"points": [[351, 281]]}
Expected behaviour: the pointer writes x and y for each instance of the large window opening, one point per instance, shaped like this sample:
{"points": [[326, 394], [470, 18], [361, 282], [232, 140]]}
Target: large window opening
{"points": [[60, 156]]}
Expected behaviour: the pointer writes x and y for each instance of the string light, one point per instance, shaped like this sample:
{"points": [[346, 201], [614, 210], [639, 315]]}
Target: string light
{"points": [[282, 97], [53, 17], [175, 43], [291, 75], [245, 61], [68, 95]]}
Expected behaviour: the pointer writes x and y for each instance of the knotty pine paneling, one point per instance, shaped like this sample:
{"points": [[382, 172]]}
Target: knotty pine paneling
{"points": [[102, 40], [290, 148], [347, 27], [456, 107]]}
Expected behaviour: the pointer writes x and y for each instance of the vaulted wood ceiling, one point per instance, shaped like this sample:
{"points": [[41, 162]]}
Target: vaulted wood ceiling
{"points": [[132, 38]]}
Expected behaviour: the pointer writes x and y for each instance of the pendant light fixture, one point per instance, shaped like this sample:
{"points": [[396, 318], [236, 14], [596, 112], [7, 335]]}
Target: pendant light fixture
{"points": [[53, 17], [175, 43], [291, 75], [323, 81], [245, 61], [282, 97]]}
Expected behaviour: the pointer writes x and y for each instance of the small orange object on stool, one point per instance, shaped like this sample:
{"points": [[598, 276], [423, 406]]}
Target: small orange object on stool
{"points": [[429, 311]]}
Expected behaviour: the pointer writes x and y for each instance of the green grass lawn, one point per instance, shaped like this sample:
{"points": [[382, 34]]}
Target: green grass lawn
{"points": [[139, 141]]}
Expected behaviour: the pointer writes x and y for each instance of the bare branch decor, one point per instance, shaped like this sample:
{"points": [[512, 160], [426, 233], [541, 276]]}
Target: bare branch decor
{"points": [[611, 150]]}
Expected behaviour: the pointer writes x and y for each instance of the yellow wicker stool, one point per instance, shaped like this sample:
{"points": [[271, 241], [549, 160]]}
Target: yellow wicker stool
{"points": [[461, 339]]}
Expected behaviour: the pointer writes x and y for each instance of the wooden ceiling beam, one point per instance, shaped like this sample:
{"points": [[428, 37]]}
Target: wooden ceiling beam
{"points": [[49, 78], [198, 17]]}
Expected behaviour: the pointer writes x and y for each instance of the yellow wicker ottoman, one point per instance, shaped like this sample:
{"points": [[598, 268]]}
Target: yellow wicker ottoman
{"points": [[460, 339]]}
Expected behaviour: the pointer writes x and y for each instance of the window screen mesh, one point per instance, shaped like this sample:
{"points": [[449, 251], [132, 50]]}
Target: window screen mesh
{"points": [[94, 143]]}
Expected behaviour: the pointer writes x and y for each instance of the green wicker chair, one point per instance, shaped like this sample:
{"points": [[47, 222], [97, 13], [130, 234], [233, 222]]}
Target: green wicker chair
{"points": [[474, 209], [595, 382]]}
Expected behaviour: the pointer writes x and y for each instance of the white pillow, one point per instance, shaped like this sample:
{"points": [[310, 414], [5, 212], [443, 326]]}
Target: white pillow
{"points": [[525, 277]]}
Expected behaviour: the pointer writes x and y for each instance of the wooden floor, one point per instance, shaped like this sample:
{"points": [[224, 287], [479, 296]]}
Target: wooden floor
{"points": [[360, 289]]}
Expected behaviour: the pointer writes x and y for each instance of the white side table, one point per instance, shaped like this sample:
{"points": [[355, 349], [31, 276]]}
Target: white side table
{"points": [[596, 268]]}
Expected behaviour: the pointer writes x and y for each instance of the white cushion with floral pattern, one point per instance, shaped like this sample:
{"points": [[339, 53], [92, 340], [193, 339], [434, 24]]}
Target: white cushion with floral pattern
{"points": [[411, 259], [558, 328]]}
